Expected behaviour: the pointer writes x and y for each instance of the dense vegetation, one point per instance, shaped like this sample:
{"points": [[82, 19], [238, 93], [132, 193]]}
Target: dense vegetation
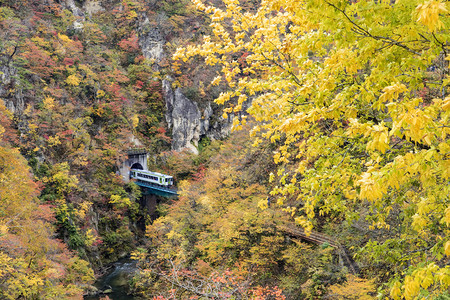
{"points": [[32, 262], [348, 111], [78, 98], [221, 240], [355, 94]]}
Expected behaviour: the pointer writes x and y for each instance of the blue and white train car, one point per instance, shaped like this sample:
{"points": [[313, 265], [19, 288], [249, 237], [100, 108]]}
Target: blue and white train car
{"points": [[152, 177]]}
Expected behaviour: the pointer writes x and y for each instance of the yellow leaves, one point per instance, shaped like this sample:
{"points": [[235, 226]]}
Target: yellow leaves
{"points": [[236, 124], [262, 204], [371, 188], [412, 287], [90, 237], [419, 222], [199, 5], [425, 206], [216, 80], [350, 194], [132, 14], [64, 38], [342, 60], [417, 123], [271, 177], [3, 229], [446, 217], [424, 278], [390, 93], [309, 86], [53, 141], [48, 103], [40, 42], [396, 292], [428, 14], [100, 93], [61, 179], [358, 288], [172, 235], [135, 121], [447, 248], [379, 139], [301, 220], [120, 201], [218, 15], [35, 254], [73, 80], [446, 104]]}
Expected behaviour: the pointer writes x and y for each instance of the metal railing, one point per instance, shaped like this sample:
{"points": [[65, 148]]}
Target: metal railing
{"points": [[149, 185]]}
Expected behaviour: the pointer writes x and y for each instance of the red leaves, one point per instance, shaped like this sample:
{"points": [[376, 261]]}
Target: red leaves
{"points": [[39, 61], [68, 61], [130, 44], [139, 84]]}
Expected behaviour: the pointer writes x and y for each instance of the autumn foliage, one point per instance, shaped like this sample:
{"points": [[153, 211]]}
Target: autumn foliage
{"points": [[32, 262], [355, 94]]}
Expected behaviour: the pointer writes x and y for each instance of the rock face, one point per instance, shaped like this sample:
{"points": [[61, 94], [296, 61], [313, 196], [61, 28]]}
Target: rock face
{"points": [[78, 14], [188, 124], [183, 116], [14, 102], [151, 41], [92, 7]]}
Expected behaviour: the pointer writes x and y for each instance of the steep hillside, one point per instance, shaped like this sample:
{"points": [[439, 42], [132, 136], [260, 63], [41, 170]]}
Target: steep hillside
{"points": [[82, 82], [81, 93], [33, 263], [336, 185]]}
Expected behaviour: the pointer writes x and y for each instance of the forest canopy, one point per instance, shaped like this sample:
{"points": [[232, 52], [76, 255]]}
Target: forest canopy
{"points": [[355, 96]]}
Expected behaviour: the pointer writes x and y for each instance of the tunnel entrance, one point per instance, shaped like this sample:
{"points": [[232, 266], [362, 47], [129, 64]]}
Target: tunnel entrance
{"points": [[137, 166]]}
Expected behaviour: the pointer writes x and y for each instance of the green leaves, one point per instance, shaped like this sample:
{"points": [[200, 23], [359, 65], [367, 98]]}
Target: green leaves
{"points": [[326, 74]]}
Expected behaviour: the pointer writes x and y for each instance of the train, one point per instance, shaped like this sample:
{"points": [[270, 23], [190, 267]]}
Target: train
{"points": [[152, 177]]}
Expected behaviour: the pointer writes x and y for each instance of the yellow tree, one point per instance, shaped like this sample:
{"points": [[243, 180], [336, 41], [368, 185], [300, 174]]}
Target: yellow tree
{"points": [[33, 265], [354, 93]]}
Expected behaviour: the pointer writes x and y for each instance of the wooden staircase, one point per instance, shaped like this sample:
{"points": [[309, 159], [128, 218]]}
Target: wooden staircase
{"points": [[319, 239]]}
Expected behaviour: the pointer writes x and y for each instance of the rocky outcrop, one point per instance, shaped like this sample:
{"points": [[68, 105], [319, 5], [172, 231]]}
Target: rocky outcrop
{"points": [[14, 100], [77, 12], [70, 4], [151, 41], [183, 116], [92, 7], [188, 124]]}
